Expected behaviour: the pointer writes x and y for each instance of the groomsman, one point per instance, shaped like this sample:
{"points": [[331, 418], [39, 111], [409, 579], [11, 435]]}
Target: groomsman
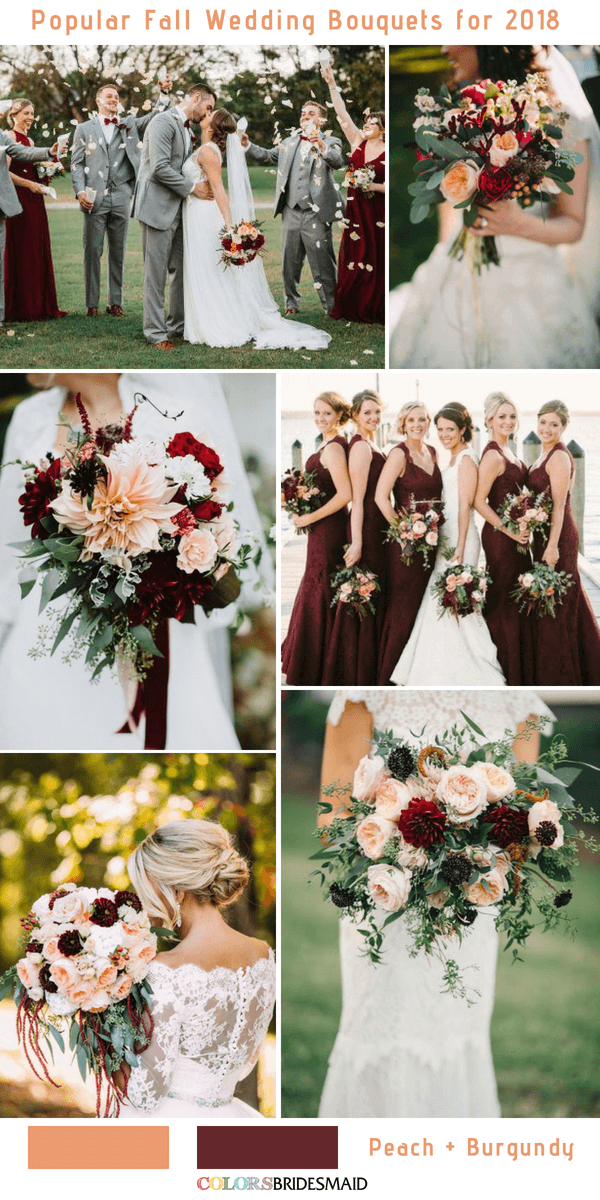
{"points": [[309, 201], [105, 158], [10, 205]]}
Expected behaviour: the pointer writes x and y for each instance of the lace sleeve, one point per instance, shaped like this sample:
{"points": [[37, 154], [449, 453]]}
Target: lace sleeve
{"points": [[149, 1082], [430, 713]]}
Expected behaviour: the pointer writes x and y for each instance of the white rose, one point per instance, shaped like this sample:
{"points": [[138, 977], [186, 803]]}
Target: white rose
{"points": [[41, 908], [101, 942], [498, 782], [59, 1004], [526, 580], [391, 798], [389, 887], [463, 794], [369, 773], [71, 907], [373, 833]]}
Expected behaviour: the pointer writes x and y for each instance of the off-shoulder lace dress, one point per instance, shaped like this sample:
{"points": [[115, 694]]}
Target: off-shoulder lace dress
{"points": [[405, 1049], [209, 1027]]}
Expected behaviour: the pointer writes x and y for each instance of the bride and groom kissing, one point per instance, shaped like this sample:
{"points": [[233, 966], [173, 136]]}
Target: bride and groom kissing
{"points": [[183, 208]]}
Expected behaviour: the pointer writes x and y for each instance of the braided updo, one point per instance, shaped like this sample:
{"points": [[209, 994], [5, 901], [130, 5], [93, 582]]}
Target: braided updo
{"points": [[189, 856], [460, 416]]}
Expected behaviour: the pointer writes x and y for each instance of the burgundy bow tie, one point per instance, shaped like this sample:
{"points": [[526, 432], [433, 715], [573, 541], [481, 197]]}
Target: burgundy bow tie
{"points": [[186, 124], [110, 121]]}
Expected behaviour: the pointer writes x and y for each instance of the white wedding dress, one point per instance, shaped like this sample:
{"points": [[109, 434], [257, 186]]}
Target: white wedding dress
{"points": [[48, 704], [209, 1027], [442, 650], [404, 1048], [230, 306], [536, 310]]}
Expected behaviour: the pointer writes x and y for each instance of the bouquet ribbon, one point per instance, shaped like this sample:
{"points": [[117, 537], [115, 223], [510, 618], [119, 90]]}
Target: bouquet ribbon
{"points": [[151, 696]]}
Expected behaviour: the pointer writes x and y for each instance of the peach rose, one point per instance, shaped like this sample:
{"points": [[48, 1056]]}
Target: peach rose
{"points": [[498, 783], [345, 589], [107, 973], [389, 887], [224, 533], [51, 950], [488, 889], [373, 833], [460, 182], [504, 146], [431, 538], [463, 794], [366, 589], [438, 899], [121, 988], [197, 551], [391, 798], [64, 973], [419, 528], [97, 1002], [411, 856], [28, 973], [80, 993], [368, 775], [71, 908], [140, 959], [421, 788]]}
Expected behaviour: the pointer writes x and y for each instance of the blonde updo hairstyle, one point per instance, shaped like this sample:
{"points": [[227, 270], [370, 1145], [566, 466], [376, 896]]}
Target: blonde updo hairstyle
{"points": [[187, 856], [558, 407], [361, 398], [492, 403], [340, 406], [405, 410], [16, 107], [460, 416]]}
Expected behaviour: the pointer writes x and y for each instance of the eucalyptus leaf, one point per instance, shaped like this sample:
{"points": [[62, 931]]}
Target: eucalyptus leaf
{"points": [[51, 581], [82, 1062], [57, 1038], [145, 640], [65, 626]]}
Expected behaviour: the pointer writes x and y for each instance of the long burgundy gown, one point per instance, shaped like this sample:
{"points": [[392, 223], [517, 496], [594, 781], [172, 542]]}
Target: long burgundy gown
{"points": [[405, 584], [352, 654], [304, 649], [505, 563], [360, 291], [29, 287], [564, 649]]}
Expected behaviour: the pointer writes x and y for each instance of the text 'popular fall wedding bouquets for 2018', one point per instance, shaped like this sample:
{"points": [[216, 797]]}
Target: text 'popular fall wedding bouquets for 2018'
{"points": [[446, 834], [84, 974]]}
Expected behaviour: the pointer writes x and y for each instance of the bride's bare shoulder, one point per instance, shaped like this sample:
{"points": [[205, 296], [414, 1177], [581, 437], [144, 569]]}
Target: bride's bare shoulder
{"points": [[234, 951]]}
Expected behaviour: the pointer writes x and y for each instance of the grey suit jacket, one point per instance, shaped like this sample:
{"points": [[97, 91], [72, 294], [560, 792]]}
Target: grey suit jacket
{"points": [[161, 185], [90, 149], [324, 191], [10, 205]]}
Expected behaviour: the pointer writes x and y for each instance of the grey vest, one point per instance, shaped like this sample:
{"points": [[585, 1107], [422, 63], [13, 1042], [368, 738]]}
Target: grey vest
{"points": [[298, 195], [120, 170]]}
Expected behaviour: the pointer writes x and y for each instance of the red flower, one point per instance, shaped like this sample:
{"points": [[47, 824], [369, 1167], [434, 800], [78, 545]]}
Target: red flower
{"points": [[38, 495], [166, 591], [474, 93], [509, 824], [104, 913], [208, 510], [422, 823], [495, 184], [183, 521], [186, 443], [130, 898]]}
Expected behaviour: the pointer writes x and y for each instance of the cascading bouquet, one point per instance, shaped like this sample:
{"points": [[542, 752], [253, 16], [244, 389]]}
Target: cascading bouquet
{"points": [[241, 244], [300, 494], [490, 141], [357, 587], [541, 589], [360, 178], [417, 529], [133, 533], [461, 590], [439, 835], [83, 974], [526, 511]]}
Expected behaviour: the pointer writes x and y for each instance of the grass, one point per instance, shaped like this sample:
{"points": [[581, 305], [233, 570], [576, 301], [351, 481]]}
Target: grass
{"points": [[545, 1028], [78, 341]]}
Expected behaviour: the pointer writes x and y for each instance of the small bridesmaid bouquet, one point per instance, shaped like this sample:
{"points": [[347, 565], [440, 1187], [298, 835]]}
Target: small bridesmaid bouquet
{"points": [[357, 587], [300, 494], [241, 244], [417, 529], [540, 590], [526, 511], [360, 178], [461, 590]]}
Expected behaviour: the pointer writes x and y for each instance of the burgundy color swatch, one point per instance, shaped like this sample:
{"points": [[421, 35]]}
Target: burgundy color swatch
{"points": [[246, 1147]]}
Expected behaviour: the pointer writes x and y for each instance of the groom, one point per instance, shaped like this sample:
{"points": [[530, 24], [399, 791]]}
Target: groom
{"points": [[10, 205], [160, 190]]}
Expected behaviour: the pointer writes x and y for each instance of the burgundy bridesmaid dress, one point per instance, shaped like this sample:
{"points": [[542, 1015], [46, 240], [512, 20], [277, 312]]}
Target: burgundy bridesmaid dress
{"points": [[360, 290], [406, 584], [564, 649], [505, 563], [29, 287], [304, 649], [352, 654]]}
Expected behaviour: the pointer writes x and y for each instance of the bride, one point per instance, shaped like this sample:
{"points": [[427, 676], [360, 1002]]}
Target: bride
{"points": [[214, 993], [537, 309], [443, 650], [404, 1048], [229, 305], [47, 703]]}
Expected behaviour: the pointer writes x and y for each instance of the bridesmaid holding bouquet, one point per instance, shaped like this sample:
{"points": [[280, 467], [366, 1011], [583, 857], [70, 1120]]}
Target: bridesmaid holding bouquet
{"points": [[352, 656], [411, 471], [311, 623]]}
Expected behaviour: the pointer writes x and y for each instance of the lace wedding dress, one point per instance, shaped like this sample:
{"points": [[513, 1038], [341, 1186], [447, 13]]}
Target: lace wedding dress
{"points": [[230, 306], [209, 1027], [442, 650], [405, 1049]]}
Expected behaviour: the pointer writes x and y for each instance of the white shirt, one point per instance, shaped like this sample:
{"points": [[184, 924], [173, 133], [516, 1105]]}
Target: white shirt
{"points": [[186, 133], [108, 130]]}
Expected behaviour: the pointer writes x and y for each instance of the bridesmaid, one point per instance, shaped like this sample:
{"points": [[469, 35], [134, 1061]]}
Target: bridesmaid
{"points": [[564, 649], [304, 649], [501, 474], [410, 469], [352, 656]]}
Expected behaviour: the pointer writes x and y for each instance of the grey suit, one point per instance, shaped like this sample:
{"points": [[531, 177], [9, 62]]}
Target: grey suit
{"points": [[160, 190], [10, 205], [111, 169], [309, 201]]}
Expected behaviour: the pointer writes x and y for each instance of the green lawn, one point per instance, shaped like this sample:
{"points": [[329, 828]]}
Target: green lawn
{"points": [[545, 1029], [77, 341]]}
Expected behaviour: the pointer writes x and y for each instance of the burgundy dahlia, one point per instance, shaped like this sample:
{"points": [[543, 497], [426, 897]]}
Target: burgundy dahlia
{"points": [[509, 825], [104, 912], [546, 833], [129, 898], [46, 979], [38, 496], [167, 591], [34, 947], [422, 823], [70, 943], [186, 443]]}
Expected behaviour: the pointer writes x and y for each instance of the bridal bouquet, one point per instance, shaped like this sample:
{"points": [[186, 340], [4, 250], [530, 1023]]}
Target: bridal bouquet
{"points": [[360, 178], [540, 589], [490, 141], [241, 244], [84, 973], [300, 494], [526, 511], [439, 835], [461, 590], [357, 587], [417, 529]]}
